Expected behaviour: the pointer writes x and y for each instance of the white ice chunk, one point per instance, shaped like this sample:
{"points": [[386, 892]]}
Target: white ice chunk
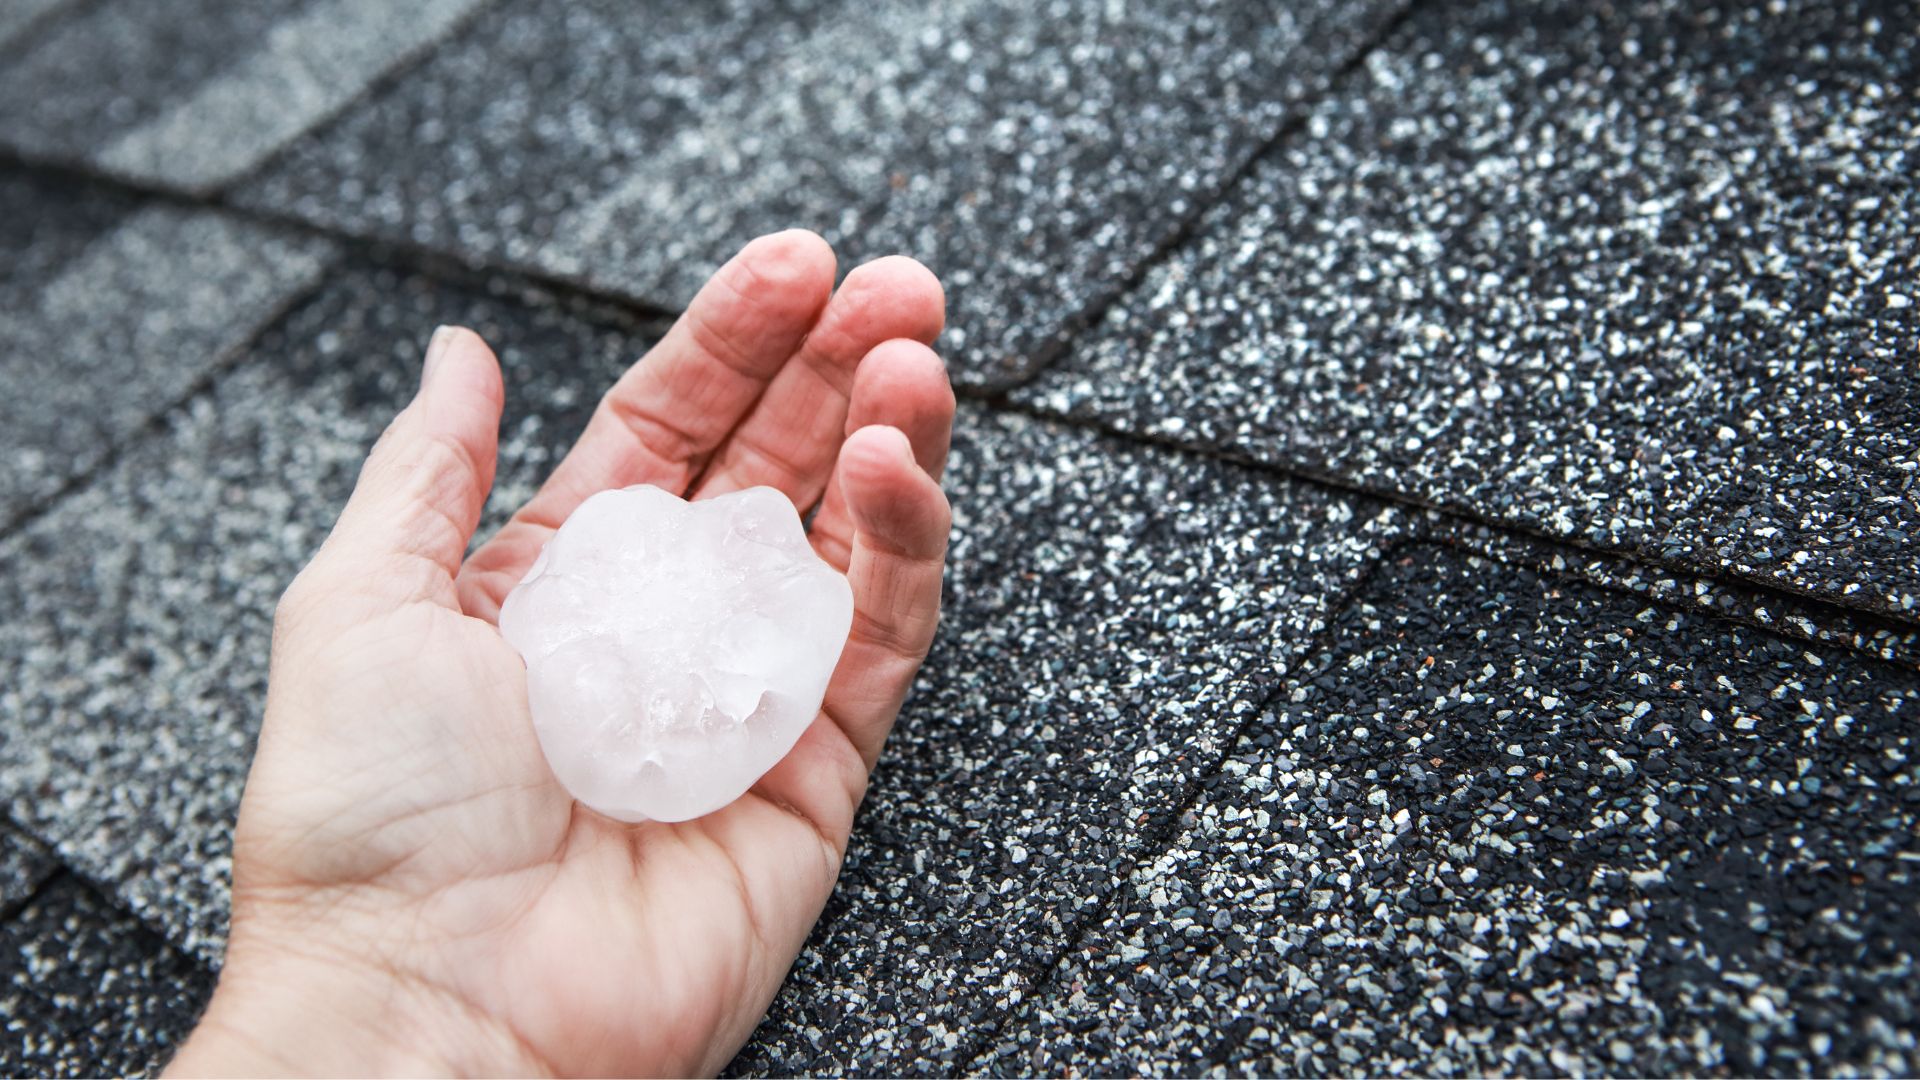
{"points": [[675, 651]]}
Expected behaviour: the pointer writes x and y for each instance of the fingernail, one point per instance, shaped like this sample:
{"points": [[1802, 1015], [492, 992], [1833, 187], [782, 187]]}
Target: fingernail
{"points": [[436, 351]]}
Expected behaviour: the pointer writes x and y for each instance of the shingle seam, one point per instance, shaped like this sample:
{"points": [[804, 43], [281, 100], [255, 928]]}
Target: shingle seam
{"points": [[1061, 336], [379, 84], [55, 871], [1160, 838], [60, 873], [393, 253], [1189, 227], [1166, 833], [13, 159], [14, 39], [601, 305], [1864, 617], [229, 360], [1833, 626], [90, 165]]}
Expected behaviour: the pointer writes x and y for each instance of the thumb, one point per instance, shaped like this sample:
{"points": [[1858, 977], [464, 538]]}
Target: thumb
{"points": [[420, 493]]}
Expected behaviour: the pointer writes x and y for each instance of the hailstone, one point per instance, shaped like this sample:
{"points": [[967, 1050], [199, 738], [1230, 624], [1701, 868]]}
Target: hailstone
{"points": [[675, 650]]}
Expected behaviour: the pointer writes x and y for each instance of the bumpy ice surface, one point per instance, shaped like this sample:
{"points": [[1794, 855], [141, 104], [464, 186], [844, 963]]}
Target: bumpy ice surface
{"points": [[675, 651]]}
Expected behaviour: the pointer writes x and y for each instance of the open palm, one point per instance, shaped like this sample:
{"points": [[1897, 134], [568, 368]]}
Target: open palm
{"points": [[408, 875]]}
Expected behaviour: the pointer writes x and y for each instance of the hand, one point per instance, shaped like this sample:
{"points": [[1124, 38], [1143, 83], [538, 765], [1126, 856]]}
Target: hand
{"points": [[413, 891]]}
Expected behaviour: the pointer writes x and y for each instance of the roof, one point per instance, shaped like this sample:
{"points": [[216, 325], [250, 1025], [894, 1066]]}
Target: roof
{"points": [[1430, 586]]}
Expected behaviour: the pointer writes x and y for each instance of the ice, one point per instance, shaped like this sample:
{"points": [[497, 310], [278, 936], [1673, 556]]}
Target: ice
{"points": [[675, 651]]}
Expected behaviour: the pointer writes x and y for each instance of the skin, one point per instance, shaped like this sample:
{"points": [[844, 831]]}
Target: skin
{"points": [[413, 891]]}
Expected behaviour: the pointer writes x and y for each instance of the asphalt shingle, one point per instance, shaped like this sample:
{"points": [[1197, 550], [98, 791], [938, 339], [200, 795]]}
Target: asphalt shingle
{"points": [[44, 222], [1113, 613], [534, 110], [19, 17], [1516, 824], [1033, 154], [1638, 276], [136, 715], [87, 991], [187, 289], [25, 865], [1737, 601], [194, 94], [1607, 767], [94, 72]]}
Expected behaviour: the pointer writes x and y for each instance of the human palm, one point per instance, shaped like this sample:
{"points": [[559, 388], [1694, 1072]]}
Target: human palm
{"points": [[407, 872]]}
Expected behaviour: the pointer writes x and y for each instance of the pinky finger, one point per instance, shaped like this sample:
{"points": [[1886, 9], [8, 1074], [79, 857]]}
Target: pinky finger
{"points": [[900, 522]]}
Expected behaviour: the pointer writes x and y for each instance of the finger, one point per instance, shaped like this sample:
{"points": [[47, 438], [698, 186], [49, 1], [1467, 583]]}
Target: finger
{"points": [[421, 490], [900, 524], [791, 438], [664, 417], [903, 385]]}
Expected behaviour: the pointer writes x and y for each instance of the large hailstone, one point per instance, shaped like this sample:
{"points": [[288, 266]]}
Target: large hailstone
{"points": [[675, 651]]}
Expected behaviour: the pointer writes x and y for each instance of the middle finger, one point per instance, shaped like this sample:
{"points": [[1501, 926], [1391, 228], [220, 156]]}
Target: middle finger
{"points": [[792, 437]]}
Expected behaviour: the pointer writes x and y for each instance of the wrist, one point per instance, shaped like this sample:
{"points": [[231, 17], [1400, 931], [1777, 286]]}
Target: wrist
{"points": [[281, 1014]]}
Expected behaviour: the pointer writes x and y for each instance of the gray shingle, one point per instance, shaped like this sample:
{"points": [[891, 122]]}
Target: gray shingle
{"points": [[136, 714], [25, 865], [532, 111], [1113, 614], [1735, 601], [1508, 823], [126, 326], [87, 991], [307, 68], [44, 222], [1639, 276], [1033, 154], [192, 95], [18, 17], [95, 71]]}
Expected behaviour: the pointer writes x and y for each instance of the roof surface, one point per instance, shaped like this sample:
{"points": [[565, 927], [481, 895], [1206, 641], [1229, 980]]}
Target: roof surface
{"points": [[1430, 587]]}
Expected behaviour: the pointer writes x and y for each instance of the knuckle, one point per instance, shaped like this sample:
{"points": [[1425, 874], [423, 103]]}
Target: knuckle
{"points": [[720, 340]]}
